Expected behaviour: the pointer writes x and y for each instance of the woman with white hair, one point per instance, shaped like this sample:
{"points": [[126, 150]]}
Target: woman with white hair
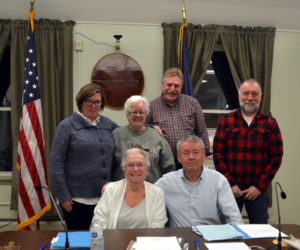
{"points": [[132, 202], [137, 135]]}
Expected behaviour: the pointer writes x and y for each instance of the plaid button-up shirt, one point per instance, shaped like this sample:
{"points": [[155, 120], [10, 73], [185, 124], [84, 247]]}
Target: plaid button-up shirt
{"points": [[248, 155], [185, 118]]}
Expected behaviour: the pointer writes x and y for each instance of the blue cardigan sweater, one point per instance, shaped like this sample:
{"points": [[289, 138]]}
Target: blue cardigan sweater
{"points": [[81, 157]]}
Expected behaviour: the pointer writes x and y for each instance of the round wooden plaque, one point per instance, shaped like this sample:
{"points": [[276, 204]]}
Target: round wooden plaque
{"points": [[120, 77]]}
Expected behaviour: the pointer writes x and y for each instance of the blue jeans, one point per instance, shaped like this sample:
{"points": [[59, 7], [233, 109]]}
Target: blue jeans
{"points": [[257, 210]]}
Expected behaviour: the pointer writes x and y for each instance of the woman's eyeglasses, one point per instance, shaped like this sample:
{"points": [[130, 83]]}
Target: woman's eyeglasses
{"points": [[91, 102]]}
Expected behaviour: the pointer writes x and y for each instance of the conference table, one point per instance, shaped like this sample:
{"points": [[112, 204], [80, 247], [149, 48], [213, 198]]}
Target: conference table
{"points": [[119, 239]]}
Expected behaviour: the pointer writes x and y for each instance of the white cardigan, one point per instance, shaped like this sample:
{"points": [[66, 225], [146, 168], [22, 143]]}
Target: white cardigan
{"points": [[108, 208]]}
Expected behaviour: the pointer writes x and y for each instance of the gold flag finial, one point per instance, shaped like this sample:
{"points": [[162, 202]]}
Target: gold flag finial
{"points": [[183, 12]]}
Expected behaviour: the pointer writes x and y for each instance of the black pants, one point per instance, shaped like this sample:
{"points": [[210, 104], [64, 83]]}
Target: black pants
{"points": [[80, 217]]}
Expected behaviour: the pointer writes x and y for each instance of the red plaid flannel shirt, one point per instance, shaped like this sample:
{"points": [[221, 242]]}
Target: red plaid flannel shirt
{"points": [[248, 155]]}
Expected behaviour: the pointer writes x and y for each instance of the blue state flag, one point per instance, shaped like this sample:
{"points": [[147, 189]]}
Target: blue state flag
{"points": [[184, 61]]}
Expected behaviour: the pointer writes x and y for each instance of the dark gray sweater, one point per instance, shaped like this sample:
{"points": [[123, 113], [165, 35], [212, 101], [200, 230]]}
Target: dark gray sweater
{"points": [[81, 157]]}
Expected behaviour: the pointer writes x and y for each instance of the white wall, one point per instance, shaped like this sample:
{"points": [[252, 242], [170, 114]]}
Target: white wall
{"points": [[285, 93], [143, 43]]}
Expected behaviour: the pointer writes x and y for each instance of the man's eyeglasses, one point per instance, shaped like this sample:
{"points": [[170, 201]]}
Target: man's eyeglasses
{"points": [[90, 103], [137, 112], [137, 164]]}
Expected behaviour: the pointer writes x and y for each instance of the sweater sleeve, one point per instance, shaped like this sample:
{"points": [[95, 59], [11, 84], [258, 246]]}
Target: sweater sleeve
{"points": [[58, 155], [157, 206], [166, 159], [103, 209]]}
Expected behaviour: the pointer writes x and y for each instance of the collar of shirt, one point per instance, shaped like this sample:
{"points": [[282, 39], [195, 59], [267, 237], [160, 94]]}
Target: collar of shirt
{"points": [[89, 120], [181, 174], [259, 114]]}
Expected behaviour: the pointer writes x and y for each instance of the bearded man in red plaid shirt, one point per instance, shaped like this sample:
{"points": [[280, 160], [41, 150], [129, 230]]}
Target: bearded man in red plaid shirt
{"points": [[248, 150]]}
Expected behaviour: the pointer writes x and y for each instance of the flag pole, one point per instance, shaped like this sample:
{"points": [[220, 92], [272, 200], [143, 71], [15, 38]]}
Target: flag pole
{"points": [[180, 41], [183, 13], [32, 4]]}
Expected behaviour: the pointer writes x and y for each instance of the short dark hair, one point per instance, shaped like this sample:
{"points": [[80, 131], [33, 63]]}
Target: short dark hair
{"points": [[190, 138], [87, 91]]}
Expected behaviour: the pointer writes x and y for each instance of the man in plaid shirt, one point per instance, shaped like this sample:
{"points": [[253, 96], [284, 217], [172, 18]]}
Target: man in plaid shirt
{"points": [[177, 114], [248, 150]]}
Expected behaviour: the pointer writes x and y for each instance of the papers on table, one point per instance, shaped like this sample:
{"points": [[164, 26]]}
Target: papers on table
{"points": [[244, 231], [78, 240], [253, 231], [217, 232], [157, 243], [227, 246]]}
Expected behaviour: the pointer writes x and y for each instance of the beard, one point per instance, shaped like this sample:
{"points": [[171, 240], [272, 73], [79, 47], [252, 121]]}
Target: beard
{"points": [[249, 107]]}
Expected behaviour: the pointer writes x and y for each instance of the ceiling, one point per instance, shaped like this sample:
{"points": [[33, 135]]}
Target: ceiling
{"points": [[282, 14]]}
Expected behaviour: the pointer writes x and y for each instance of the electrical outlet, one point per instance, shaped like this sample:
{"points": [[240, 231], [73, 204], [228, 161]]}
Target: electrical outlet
{"points": [[79, 45]]}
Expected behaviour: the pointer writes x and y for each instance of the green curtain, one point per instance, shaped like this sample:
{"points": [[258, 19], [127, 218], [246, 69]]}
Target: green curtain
{"points": [[201, 40], [249, 52], [4, 35], [54, 45]]}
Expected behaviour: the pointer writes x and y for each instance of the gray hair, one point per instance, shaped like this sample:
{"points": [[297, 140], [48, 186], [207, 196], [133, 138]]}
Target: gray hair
{"points": [[190, 138], [133, 100], [133, 151], [171, 72], [251, 81]]}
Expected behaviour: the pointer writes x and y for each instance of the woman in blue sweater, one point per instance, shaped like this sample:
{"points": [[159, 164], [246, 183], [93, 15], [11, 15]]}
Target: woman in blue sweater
{"points": [[81, 157]]}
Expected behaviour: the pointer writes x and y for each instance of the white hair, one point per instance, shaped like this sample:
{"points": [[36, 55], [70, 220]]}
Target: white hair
{"points": [[133, 151], [133, 100]]}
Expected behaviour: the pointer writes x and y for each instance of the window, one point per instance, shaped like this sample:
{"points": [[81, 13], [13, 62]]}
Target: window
{"points": [[217, 93], [5, 113]]}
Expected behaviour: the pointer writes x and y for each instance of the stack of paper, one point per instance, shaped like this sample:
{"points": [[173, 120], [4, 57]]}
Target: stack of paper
{"points": [[217, 232], [254, 231], [227, 246], [157, 243]]}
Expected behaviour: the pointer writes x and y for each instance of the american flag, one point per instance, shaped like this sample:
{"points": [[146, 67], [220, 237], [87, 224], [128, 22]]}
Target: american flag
{"points": [[31, 161]]}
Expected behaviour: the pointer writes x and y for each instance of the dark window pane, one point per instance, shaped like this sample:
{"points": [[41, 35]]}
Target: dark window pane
{"points": [[5, 78], [5, 141], [6, 101], [210, 95], [218, 90], [212, 119]]}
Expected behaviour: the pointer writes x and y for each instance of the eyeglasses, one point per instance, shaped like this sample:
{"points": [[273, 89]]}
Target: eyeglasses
{"points": [[188, 153], [91, 102], [137, 164], [137, 112]]}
